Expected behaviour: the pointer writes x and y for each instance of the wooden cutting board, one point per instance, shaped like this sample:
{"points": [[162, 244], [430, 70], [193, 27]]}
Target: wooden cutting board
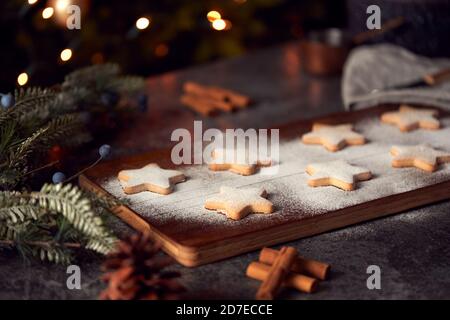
{"points": [[192, 241]]}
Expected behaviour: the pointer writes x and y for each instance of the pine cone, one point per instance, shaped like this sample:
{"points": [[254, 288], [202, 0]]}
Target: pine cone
{"points": [[134, 272]]}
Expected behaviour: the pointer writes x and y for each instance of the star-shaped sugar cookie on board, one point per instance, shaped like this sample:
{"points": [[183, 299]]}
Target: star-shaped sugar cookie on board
{"points": [[420, 156], [149, 178], [336, 173], [333, 138], [408, 118], [238, 203], [239, 160]]}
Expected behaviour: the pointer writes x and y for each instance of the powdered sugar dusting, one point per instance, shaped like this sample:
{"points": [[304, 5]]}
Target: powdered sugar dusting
{"points": [[288, 189]]}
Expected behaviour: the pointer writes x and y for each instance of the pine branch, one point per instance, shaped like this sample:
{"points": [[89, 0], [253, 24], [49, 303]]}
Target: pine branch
{"points": [[65, 130], [128, 84], [18, 158], [70, 99], [29, 103], [62, 130], [31, 96], [7, 134], [30, 240], [87, 76]]}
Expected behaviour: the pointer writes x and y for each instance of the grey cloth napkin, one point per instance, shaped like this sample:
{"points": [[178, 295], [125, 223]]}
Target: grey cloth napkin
{"points": [[378, 66]]}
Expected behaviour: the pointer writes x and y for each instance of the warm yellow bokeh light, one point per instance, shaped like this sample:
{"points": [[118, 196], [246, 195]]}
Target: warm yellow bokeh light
{"points": [[219, 24], [32, 1], [213, 15], [142, 23], [61, 5], [66, 54], [47, 13], [22, 79]]}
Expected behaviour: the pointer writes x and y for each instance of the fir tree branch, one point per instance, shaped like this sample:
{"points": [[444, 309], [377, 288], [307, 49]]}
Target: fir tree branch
{"points": [[43, 208], [97, 74]]}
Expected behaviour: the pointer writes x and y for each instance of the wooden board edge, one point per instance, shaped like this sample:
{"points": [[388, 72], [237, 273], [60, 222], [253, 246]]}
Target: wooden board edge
{"points": [[135, 221], [194, 256], [364, 212]]}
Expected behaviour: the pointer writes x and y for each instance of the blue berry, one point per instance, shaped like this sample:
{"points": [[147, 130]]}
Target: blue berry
{"points": [[7, 100], [110, 98], [104, 150], [142, 102], [58, 177]]}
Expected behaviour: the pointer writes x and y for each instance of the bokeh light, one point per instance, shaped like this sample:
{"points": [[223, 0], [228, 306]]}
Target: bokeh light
{"points": [[61, 5], [66, 54], [22, 79], [47, 13], [213, 15], [219, 24], [142, 23]]}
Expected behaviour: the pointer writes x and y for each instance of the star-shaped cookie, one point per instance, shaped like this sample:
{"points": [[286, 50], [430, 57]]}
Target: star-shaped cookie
{"points": [[420, 156], [239, 160], [149, 178], [336, 173], [238, 203], [408, 118], [333, 138]]}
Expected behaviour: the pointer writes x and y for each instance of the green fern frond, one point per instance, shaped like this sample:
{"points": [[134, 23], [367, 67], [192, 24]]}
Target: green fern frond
{"points": [[101, 246], [41, 223], [7, 232], [71, 202], [56, 254], [68, 200], [106, 201], [17, 208]]}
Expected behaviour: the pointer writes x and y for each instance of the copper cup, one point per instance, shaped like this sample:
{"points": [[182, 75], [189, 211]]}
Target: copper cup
{"points": [[324, 52]]}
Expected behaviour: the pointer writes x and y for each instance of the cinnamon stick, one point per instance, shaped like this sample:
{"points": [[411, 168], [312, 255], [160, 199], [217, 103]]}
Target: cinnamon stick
{"points": [[237, 99], [260, 271], [217, 93], [312, 268], [198, 105], [278, 271], [214, 103]]}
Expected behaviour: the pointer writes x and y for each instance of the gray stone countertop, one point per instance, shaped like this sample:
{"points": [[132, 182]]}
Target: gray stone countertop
{"points": [[412, 248]]}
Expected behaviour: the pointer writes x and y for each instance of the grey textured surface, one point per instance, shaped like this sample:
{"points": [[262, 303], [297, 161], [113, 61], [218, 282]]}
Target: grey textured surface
{"points": [[412, 249], [385, 65]]}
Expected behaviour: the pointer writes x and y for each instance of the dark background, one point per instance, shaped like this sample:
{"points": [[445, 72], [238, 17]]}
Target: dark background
{"points": [[180, 34], [178, 28]]}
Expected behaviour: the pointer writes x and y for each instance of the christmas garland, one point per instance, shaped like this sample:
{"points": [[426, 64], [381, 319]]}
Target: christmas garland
{"points": [[59, 218]]}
